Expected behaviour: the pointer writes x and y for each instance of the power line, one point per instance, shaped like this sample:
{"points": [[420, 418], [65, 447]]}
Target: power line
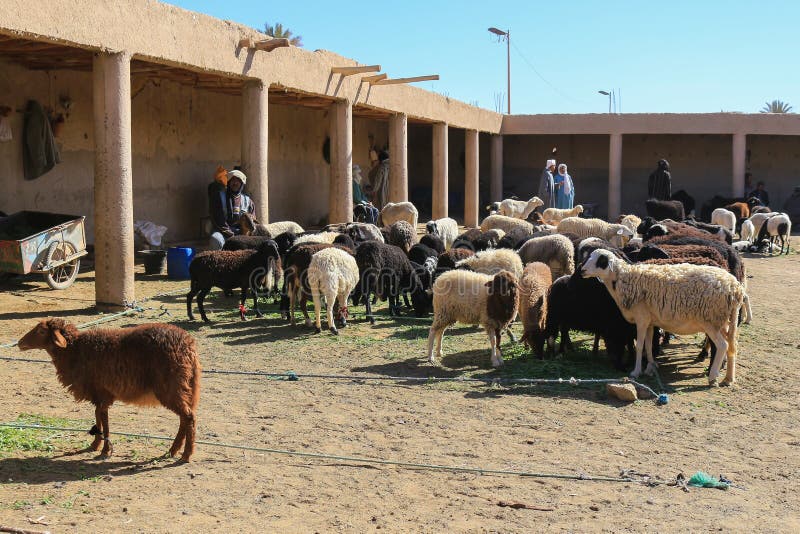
{"points": [[545, 80]]}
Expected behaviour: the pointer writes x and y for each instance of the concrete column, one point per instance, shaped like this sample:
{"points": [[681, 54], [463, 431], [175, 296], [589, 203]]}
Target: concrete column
{"points": [[255, 139], [398, 158], [739, 164], [439, 195], [496, 185], [471, 178], [340, 201], [614, 176], [113, 180]]}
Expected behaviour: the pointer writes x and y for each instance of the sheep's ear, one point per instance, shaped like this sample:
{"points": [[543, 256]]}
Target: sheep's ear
{"points": [[58, 339]]}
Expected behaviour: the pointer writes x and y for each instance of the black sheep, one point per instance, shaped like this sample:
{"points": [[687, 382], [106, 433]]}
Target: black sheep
{"points": [[684, 198], [386, 271], [577, 303], [433, 241], [244, 242], [229, 269], [420, 252], [665, 209], [344, 240], [447, 260]]}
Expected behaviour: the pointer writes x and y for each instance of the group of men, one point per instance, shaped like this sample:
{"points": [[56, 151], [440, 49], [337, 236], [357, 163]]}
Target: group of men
{"points": [[556, 188]]}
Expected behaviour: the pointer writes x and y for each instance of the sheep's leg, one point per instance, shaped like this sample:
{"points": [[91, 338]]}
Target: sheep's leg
{"points": [[304, 307], [330, 304], [434, 342], [596, 347], [255, 304], [189, 296], [317, 309], [343, 308], [292, 303], [565, 343], [408, 305], [731, 338], [641, 333], [201, 295], [242, 300], [97, 430], [496, 359], [108, 448], [652, 366], [179, 437], [189, 423], [722, 350]]}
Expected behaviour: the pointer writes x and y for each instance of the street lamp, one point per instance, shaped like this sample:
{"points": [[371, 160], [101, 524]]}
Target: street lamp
{"points": [[608, 94], [507, 35]]}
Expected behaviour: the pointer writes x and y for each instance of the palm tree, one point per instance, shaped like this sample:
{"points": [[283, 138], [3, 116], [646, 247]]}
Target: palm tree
{"points": [[277, 31], [776, 106]]}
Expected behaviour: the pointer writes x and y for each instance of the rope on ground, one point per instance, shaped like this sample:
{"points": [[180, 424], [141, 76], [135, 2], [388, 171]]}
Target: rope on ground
{"points": [[291, 376], [132, 307], [357, 459]]}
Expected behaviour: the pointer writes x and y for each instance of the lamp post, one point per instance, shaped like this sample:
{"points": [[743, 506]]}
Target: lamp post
{"points": [[507, 35], [608, 94]]}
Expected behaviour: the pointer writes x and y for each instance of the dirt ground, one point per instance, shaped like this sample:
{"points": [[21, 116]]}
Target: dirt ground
{"points": [[749, 433]]}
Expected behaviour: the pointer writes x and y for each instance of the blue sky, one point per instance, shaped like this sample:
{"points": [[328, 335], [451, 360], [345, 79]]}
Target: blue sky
{"points": [[671, 56]]}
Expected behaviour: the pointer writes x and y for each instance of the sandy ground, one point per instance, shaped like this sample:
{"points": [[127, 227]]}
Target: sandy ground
{"points": [[750, 432]]}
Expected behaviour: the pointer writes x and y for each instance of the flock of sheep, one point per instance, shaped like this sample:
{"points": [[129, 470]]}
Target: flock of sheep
{"points": [[629, 283]]}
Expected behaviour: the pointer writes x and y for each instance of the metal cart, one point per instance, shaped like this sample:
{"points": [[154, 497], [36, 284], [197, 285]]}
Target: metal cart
{"points": [[41, 242]]}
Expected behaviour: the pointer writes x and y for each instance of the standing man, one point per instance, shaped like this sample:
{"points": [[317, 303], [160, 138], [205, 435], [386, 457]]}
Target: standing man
{"points": [[659, 186], [226, 207], [379, 180], [760, 193], [546, 186]]}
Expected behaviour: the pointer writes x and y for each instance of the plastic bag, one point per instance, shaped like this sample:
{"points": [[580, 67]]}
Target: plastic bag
{"points": [[152, 233]]}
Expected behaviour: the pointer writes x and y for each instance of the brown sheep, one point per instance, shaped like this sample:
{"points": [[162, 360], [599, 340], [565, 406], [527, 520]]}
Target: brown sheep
{"points": [[447, 260], [533, 287], [147, 365], [740, 209]]}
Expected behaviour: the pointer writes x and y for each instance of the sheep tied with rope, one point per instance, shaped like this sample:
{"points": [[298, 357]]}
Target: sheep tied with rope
{"points": [[147, 365]]}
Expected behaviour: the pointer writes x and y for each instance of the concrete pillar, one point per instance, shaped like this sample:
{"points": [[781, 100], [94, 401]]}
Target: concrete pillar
{"points": [[398, 158], [113, 180], [255, 139], [496, 184], [471, 178], [340, 201], [439, 195], [614, 176], [739, 164]]}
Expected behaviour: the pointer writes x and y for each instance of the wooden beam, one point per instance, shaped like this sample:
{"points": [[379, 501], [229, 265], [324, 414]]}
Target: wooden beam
{"points": [[376, 78], [347, 71], [266, 45], [407, 80]]}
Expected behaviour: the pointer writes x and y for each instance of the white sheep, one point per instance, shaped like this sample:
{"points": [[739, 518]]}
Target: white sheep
{"points": [[332, 275], [724, 218], [747, 231], [556, 215], [556, 251], [446, 228], [758, 219], [631, 221], [507, 225], [280, 227], [519, 209], [778, 226], [319, 237], [399, 211], [493, 261], [617, 234], [476, 299], [682, 299]]}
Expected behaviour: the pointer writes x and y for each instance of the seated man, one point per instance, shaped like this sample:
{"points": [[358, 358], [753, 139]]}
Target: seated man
{"points": [[760, 193], [225, 206]]}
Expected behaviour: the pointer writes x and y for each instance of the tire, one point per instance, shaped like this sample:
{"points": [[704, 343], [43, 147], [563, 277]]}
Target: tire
{"points": [[63, 276]]}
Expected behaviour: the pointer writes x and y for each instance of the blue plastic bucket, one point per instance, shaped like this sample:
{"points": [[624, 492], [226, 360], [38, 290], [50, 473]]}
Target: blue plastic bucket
{"points": [[178, 260]]}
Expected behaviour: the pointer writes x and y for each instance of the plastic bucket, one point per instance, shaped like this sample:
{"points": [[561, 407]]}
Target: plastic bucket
{"points": [[154, 261], [178, 260]]}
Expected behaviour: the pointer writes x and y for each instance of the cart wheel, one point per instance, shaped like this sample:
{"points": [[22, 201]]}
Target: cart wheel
{"points": [[64, 275]]}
